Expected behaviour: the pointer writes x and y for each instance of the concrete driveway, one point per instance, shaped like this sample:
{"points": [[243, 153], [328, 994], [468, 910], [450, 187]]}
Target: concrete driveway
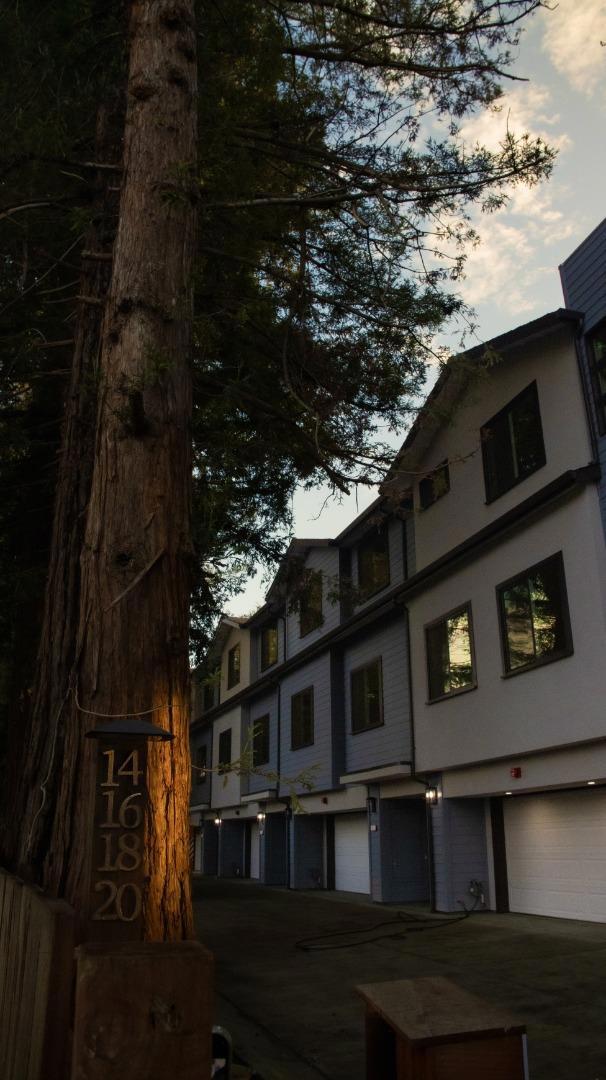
{"points": [[294, 1014]]}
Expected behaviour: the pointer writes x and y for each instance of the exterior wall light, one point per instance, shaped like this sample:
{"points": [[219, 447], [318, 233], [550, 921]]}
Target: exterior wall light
{"points": [[218, 820], [371, 804], [261, 816], [508, 792], [431, 796]]}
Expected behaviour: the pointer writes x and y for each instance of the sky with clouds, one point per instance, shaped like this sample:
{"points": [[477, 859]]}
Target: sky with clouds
{"points": [[512, 275]]}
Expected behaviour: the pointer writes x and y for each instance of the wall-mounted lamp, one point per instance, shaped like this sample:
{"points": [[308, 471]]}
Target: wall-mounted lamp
{"points": [[218, 820], [431, 796], [261, 820], [371, 804]]}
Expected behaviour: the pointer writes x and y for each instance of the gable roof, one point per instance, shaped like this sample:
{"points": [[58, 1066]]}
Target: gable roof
{"points": [[454, 377]]}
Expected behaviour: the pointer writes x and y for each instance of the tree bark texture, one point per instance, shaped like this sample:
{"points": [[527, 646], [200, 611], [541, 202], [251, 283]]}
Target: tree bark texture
{"points": [[36, 762], [132, 641]]}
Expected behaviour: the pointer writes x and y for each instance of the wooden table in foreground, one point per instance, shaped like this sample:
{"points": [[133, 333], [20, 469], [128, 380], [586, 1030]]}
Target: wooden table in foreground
{"points": [[431, 1029]]}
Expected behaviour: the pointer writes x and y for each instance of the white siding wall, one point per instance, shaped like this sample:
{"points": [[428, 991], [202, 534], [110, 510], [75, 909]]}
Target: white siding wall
{"points": [[559, 703], [463, 510]]}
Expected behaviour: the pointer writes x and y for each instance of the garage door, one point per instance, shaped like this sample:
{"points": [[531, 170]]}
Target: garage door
{"points": [[254, 849], [556, 854], [352, 872]]}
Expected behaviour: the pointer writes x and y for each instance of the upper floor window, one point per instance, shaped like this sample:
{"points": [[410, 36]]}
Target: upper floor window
{"points": [[260, 741], [450, 660], [533, 609], [233, 667], [512, 443], [373, 562], [208, 695], [200, 763], [597, 355], [224, 749], [302, 719], [269, 645], [310, 607], [433, 486], [367, 696]]}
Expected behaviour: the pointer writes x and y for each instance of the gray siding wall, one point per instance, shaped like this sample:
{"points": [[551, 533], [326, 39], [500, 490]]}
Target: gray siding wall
{"points": [[307, 851], [460, 851], [583, 277], [274, 851], [210, 849], [255, 651], [265, 705], [584, 283], [392, 741], [326, 560], [200, 792], [231, 848], [397, 561], [292, 762]]}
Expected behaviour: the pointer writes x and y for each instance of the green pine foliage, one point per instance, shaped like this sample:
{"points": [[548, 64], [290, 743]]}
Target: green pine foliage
{"points": [[333, 195]]}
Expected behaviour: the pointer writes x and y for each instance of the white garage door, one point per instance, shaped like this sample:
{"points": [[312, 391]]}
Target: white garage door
{"points": [[352, 871], [556, 854], [254, 850]]}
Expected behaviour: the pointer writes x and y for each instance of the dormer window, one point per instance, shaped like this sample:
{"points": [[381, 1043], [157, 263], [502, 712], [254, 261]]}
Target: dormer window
{"points": [[233, 667], [269, 645], [373, 562], [596, 343]]}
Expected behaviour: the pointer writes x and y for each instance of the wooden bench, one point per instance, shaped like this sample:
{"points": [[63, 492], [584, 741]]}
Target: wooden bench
{"points": [[431, 1029]]}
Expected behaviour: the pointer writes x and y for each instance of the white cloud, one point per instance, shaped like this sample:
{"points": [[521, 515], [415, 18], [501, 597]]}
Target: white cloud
{"points": [[527, 107], [573, 31]]}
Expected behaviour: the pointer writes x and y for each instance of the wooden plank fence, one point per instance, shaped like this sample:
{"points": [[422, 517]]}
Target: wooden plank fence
{"points": [[37, 938]]}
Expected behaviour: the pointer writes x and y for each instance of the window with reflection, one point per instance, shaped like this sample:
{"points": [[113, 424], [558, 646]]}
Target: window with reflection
{"points": [[450, 659], [433, 486], [597, 355], [224, 750], [233, 667], [535, 624], [512, 443], [310, 610], [269, 645], [260, 741], [302, 719], [367, 696], [373, 562]]}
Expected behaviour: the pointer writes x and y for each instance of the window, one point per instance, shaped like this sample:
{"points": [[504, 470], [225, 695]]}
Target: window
{"points": [[433, 486], [260, 741], [512, 443], [533, 609], [450, 660], [367, 697], [269, 646], [310, 612], [597, 356], [233, 667], [302, 719], [224, 749], [200, 763], [373, 562], [208, 696]]}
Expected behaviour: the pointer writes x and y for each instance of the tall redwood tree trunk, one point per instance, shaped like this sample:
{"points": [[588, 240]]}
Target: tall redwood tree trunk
{"points": [[131, 650]]}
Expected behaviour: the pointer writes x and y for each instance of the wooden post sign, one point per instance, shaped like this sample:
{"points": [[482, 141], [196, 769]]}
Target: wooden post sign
{"points": [[117, 878]]}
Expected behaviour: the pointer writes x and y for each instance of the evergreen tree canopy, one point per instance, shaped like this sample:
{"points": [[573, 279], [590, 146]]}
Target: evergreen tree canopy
{"points": [[333, 192]]}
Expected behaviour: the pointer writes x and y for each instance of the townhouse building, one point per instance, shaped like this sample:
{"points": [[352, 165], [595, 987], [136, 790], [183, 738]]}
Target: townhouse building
{"points": [[439, 664]]}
